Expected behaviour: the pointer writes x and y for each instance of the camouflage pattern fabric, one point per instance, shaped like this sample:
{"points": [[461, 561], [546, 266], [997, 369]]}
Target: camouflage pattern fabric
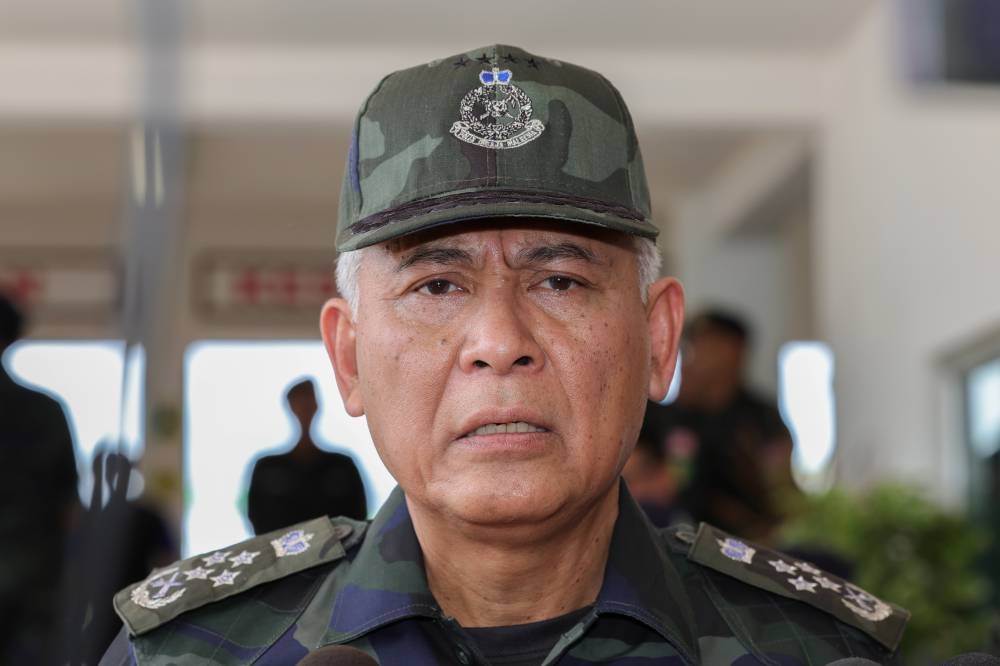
{"points": [[657, 606], [494, 132]]}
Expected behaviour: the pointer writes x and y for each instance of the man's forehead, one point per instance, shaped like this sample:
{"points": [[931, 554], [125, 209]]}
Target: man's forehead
{"points": [[514, 232]]}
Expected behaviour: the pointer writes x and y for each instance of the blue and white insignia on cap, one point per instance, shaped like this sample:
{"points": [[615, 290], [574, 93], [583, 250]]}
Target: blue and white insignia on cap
{"points": [[497, 114]]}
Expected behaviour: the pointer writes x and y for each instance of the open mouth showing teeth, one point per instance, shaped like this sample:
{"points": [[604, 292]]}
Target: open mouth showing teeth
{"points": [[505, 428]]}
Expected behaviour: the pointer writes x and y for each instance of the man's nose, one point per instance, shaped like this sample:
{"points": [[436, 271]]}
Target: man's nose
{"points": [[500, 336]]}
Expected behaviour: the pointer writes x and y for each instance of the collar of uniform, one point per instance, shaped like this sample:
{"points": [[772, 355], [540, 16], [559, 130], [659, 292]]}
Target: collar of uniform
{"points": [[641, 582], [386, 581]]}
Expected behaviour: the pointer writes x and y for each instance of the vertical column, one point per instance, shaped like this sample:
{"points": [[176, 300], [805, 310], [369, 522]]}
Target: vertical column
{"points": [[152, 246]]}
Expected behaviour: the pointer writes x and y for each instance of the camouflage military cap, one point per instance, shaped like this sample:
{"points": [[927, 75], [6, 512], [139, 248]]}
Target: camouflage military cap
{"points": [[494, 132]]}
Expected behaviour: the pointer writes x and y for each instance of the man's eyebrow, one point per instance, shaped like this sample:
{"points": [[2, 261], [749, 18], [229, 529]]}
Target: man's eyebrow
{"points": [[434, 255], [565, 250]]}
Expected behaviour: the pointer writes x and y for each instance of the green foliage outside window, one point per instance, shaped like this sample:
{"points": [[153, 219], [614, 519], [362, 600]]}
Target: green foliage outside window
{"points": [[907, 550]]}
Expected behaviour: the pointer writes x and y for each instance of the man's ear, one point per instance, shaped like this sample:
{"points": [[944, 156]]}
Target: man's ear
{"points": [[665, 319], [337, 327]]}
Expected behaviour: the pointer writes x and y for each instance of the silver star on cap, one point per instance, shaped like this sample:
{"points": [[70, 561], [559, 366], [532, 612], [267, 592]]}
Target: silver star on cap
{"points": [[201, 573], [801, 584], [217, 557], [782, 566], [227, 577], [244, 558], [826, 583], [808, 568]]}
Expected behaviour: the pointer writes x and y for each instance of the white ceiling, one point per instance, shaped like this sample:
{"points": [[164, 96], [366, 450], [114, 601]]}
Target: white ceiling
{"points": [[767, 25], [73, 161]]}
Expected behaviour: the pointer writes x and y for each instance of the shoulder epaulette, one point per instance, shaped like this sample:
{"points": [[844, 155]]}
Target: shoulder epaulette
{"points": [[796, 579], [197, 581]]}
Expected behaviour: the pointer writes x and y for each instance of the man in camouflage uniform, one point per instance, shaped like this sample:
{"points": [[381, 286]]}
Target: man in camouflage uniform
{"points": [[502, 328]]}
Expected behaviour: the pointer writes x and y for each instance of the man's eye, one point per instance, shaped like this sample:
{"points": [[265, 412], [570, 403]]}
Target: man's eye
{"points": [[560, 283], [437, 287]]}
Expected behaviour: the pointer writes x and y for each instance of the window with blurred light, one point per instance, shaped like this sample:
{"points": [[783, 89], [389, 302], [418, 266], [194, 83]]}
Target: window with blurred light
{"points": [[88, 377], [808, 406], [234, 406]]}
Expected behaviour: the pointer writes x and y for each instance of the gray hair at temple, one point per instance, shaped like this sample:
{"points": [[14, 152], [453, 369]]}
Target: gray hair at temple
{"points": [[349, 264]]}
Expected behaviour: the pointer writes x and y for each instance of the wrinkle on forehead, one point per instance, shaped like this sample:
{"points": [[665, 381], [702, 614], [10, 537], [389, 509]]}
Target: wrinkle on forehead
{"points": [[535, 243]]}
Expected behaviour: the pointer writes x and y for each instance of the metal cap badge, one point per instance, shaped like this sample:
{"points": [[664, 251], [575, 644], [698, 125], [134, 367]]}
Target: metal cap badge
{"points": [[494, 132], [497, 114]]}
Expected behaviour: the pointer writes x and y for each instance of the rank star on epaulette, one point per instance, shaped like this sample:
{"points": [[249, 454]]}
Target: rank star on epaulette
{"points": [[782, 566], [801, 584], [198, 573], [227, 577], [245, 557], [827, 584], [217, 557], [808, 568]]}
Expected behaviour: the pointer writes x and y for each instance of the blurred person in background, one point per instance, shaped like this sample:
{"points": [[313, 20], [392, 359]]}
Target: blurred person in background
{"points": [[741, 471], [652, 480], [307, 481], [132, 539], [39, 502]]}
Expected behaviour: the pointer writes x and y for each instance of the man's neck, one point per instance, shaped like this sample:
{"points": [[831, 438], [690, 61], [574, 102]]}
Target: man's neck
{"points": [[505, 576]]}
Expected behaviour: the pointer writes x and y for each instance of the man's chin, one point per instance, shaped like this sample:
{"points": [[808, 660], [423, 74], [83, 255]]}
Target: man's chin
{"points": [[509, 506]]}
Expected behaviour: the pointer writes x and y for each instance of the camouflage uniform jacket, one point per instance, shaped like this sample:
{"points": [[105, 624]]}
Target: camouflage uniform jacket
{"points": [[668, 597]]}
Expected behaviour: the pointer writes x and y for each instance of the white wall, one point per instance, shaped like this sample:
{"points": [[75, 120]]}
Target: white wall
{"points": [[908, 254], [756, 273]]}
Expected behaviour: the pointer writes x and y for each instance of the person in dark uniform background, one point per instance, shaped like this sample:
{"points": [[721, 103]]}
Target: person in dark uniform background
{"points": [[307, 481], [741, 469], [39, 502], [653, 481]]}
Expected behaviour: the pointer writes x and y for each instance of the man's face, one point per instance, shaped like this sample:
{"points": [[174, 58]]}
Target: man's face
{"points": [[504, 371]]}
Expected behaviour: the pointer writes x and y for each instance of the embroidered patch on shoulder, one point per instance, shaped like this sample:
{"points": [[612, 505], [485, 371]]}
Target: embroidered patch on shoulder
{"points": [[796, 579], [736, 550], [201, 580], [295, 542], [497, 114]]}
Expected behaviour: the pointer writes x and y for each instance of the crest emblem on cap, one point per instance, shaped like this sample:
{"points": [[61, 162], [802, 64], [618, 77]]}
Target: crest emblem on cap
{"points": [[497, 114]]}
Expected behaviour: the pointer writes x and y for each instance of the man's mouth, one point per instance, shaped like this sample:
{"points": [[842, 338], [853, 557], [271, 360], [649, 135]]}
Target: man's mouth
{"points": [[505, 428]]}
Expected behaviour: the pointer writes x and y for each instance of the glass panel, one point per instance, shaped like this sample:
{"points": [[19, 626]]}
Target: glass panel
{"points": [[235, 412], [86, 377], [983, 391], [808, 405]]}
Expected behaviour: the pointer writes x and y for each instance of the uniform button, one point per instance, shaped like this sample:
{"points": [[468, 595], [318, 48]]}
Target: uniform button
{"points": [[464, 657]]}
